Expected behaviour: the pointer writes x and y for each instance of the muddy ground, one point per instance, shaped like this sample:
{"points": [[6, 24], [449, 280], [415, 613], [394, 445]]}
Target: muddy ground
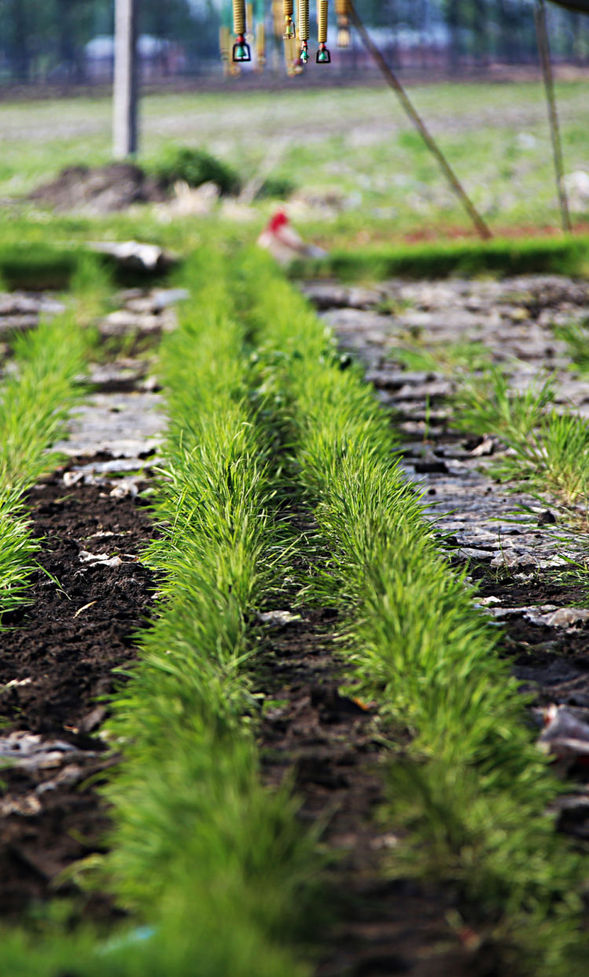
{"points": [[92, 594]]}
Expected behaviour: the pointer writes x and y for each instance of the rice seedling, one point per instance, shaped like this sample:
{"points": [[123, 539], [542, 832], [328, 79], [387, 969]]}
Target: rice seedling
{"points": [[576, 336], [197, 838], [212, 862], [447, 358], [548, 450], [17, 552], [459, 258], [37, 398], [486, 404], [474, 789], [35, 401], [553, 458]]}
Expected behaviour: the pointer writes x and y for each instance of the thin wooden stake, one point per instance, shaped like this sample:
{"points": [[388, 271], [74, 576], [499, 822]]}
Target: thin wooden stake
{"points": [[125, 80], [419, 124], [544, 49]]}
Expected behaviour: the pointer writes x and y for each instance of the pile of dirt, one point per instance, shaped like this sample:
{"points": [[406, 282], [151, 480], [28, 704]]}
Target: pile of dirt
{"points": [[100, 189]]}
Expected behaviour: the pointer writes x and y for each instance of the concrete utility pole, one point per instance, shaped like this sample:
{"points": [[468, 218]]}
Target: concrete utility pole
{"points": [[125, 80]]}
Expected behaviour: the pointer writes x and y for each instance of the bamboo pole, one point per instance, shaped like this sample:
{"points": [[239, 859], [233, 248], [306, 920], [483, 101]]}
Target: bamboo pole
{"points": [[395, 84], [544, 49]]}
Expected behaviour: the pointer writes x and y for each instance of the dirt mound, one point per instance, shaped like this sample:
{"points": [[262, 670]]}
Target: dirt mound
{"points": [[100, 189]]}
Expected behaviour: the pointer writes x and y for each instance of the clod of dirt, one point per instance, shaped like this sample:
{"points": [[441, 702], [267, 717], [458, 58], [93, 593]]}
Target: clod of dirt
{"points": [[100, 189]]}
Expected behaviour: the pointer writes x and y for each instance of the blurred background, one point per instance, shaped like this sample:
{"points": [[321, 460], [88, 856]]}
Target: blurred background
{"points": [[333, 145], [70, 42]]}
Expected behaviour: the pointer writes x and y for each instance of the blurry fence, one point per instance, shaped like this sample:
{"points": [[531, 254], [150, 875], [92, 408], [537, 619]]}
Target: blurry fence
{"points": [[69, 42]]}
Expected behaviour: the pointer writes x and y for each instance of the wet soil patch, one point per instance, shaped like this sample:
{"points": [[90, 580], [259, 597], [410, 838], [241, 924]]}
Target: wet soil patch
{"points": [[57, 660], [83, 615], [327, 745]]}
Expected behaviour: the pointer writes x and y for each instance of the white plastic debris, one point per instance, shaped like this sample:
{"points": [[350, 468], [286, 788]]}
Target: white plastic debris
{"points": [[99, 559]]}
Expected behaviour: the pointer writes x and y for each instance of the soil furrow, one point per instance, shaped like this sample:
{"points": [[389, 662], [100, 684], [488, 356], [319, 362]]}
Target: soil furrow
{"points": [[57, 660], [328, 746], [59, 652]]}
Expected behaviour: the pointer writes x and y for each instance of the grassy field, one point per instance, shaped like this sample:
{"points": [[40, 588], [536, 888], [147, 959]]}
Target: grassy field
{"points": [[363, 173]]}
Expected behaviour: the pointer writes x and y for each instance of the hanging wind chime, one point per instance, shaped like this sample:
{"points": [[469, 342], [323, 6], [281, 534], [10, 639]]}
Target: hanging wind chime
{"points": [[294, 35], [241, 50]]}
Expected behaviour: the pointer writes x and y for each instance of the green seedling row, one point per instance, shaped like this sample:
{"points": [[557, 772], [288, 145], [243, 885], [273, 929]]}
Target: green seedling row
{"points": [[212, 863], [472, 787], [567, 256], [35, 401], [198, 841]]}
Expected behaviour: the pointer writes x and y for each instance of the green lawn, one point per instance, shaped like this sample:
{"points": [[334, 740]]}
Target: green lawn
{"points": [[363, 173]]}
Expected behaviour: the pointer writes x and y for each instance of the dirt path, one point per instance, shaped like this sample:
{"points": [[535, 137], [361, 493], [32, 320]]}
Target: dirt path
{"points": [[327, 745]]}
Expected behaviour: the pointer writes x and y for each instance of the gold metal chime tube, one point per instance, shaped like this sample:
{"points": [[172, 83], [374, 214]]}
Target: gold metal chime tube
{"points": [[323, 55], [260, 44], [342, 13], [225, 46], [295, 38], [303, 30], [241, 49], [277, 18], [289, 36], [287, 7]]}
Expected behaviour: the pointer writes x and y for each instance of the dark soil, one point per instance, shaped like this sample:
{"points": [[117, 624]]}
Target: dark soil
{"points": [[82, 618], [79, 626], [101, 189], [551, 663], [326, 744]]}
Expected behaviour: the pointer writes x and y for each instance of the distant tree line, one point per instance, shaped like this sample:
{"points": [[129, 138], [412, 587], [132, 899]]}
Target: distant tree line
{"points": [[45, 40]]}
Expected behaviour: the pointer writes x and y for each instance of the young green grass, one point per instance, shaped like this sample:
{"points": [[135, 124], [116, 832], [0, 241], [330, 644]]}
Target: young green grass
{"points": [[473, 787], [553, 458], [37, 398], [486, 404], [440, 259], [548, 449], [17, 553], [576, 336], [214, 863], [198, 842], [444, 358], [35, 401]]}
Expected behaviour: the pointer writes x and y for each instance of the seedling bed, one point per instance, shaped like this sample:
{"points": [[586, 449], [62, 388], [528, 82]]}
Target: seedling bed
{"points": [[62, 651]]}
